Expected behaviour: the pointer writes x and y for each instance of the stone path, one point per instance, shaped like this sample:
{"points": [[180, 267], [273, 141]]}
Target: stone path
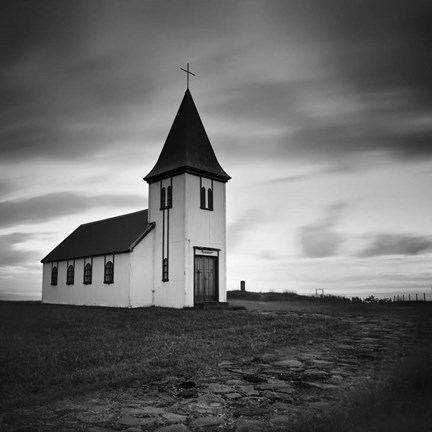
{"points": [[267, 392]]}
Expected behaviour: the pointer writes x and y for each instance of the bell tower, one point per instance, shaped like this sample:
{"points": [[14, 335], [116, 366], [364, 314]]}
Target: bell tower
{"points": [[187, 202]]}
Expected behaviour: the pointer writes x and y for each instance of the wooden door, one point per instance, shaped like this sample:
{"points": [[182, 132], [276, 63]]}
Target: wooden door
{"points": [[206, 283]]}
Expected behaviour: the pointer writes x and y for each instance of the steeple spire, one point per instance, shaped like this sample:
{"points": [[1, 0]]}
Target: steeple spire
{"points": [[187, 148]]}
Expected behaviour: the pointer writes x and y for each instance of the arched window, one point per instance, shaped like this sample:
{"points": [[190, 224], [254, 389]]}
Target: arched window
{"points": [[210, 199], [203, 198], [54, 274], [163, 197], [70, 275], [88, 274], [169, 193], [109, 272]]}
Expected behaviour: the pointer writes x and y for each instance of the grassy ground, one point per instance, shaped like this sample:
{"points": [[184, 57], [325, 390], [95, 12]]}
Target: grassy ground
{"points": [[47, 351], [52, 350]]}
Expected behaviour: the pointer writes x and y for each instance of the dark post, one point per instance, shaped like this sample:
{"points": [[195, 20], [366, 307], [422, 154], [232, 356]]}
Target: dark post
{"points": [[424, 296], [416, 297], [409, 297], [242, 286]]}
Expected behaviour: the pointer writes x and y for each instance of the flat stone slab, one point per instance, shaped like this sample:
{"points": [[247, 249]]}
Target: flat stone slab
{"points": [[174, 418], [219, 388], [207, 421], [208, 404], [136, 421], [289, 363]]}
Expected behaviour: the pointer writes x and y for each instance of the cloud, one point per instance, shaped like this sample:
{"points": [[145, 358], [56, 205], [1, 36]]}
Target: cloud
{"points": [[246, 224], [397, 244], [13, 256], [50, 206], [320, 239]]}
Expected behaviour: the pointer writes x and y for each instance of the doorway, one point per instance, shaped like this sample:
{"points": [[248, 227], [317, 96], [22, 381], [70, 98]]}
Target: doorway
{"points": [[206, 279]]}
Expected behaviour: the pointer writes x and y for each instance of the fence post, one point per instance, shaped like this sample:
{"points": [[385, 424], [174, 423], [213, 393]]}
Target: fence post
{"points": [[242, 286], [416, 297], [403, 297], [424, 296]]}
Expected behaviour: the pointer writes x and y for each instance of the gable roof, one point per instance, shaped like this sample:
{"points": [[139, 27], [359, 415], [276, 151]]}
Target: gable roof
{"points": [[107, 236], [187, 148]]}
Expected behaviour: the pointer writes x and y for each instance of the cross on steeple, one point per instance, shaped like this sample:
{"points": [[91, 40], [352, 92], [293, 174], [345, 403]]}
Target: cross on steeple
{"points": [[187, 74]]}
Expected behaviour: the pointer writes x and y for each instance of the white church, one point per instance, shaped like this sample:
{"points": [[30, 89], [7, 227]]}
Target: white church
{"points": [[172, 254]]}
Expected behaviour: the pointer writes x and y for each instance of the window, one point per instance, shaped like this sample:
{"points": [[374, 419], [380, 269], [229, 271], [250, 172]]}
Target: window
{"points": [[203, 198], [169, 200], [163, 196], [88, 274], [210, 199], [54, 274], [165, 270], [166, 197], [206, 198], [70, 275], [109, 273]]}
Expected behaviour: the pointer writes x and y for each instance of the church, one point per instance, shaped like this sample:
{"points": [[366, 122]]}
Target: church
{"points": [[172, 254]]}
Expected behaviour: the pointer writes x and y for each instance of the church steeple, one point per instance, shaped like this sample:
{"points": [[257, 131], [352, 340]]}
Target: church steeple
{"points": [[187, 148]]}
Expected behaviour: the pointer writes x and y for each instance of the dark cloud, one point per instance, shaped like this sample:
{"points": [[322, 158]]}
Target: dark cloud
{"points": [[10, 255], [47, 207], [320, 239], [397, 244]]}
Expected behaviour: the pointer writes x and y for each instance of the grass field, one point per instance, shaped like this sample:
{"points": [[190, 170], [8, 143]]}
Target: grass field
{"points": [[52, 350], [49, 351]]}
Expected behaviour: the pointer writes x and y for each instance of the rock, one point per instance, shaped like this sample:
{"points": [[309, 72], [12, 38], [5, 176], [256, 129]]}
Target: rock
{"points": [[280, 420], [248, 390], [290, 363], [250, 426], [208, 404], [315, 372], [281, 406], [174, 418], [336, 379], [219, 388], [135, 421], [101, 415], [234, 382], [233, 395], [207, 421], [149, 410], [174, 428]]}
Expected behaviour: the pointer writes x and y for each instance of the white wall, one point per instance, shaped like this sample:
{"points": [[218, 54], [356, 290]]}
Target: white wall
{"points": [[97, 293], [141, 272]]}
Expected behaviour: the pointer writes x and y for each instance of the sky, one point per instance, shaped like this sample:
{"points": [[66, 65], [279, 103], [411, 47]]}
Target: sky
{"points": [[320, 111]]}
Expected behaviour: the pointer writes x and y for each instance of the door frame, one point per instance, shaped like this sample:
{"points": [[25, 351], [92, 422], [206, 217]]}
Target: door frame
{"points": [[207, 252]]}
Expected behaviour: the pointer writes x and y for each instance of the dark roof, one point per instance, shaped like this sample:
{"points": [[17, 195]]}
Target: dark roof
{"points": [[187, 147], [107, 236]]}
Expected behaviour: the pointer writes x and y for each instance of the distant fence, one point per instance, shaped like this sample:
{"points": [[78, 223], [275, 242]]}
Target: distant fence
{"points": [[412, 297]]}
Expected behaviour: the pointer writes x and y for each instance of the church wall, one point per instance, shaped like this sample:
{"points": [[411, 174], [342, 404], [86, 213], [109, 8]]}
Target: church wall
{"points": [[97, 293], [141, 272]]}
